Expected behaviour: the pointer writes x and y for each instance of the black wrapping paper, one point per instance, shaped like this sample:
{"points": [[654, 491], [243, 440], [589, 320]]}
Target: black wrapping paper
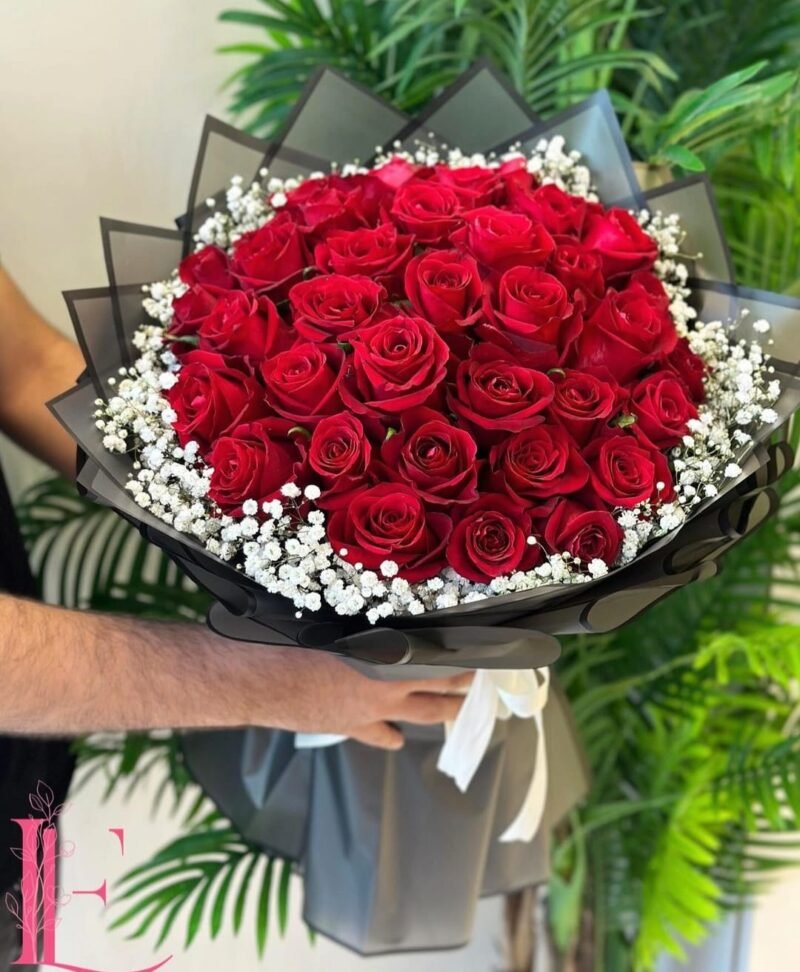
{"points": [[393, 856]]}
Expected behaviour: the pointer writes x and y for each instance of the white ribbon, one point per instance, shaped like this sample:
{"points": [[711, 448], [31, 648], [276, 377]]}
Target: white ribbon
{"points": [[316, 740], [499, 695], [493, 695]]}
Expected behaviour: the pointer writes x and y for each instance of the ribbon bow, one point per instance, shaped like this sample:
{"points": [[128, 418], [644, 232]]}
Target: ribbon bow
{"points": [[499, 695], [493, 695]]}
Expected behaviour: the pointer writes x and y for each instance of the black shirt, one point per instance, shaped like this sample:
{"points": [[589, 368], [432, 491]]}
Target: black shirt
{"points": [[23, 761]]}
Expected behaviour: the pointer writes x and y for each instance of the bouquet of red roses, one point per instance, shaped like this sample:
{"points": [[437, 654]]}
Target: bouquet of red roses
{"points": [[439, 405]]}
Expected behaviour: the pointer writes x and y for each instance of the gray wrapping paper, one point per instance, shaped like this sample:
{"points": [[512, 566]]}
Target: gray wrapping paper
{"points": [[393, 856]]}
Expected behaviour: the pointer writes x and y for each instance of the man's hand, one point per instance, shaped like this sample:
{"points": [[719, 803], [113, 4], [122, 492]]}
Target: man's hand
{"points": [[325, 694], [70, 672]]}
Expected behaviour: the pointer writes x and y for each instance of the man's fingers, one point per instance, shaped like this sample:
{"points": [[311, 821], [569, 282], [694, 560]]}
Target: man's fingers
{"points": [[429, 708], [381, 735], [451, 683]]}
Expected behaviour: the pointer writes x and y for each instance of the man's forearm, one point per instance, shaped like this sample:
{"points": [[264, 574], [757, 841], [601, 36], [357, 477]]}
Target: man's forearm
{"points": [[70, 673], [36, 364], [67, 672]]}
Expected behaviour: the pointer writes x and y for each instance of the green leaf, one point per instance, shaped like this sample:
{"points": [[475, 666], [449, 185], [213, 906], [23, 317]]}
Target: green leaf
{"points": [[283, 897], [262, 915], [684, 157]]}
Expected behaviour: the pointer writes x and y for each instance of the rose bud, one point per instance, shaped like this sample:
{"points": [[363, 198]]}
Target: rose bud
{"points": [[190, 310], [340, 453], [514, 175], [303, 383], [445, 288], [529, 304], [583, 533], [438, 460], [499, 239], [396, 172], [629, 330], [475, 185], [210, 397], [397, 364], [253, 461], [330, 306], [495, 394], [335, 202], [538, 463], [380, 253], [207, 268], [662, 408], [689, 367], [390, 522], [619, 241], [580, 271], [583, 401], [626, 472], [270, 258], [429, 210], [491, 539], [243, 324], [560, 213]]}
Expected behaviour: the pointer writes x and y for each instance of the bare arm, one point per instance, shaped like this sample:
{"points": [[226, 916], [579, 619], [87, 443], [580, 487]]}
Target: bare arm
{"points": [[36, 363], [65, 672]]}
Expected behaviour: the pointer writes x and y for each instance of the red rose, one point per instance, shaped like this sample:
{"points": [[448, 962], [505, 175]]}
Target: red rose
{"points": [[190, 310], [662, 408], [538, 463], [332, 305], [583, 401], [244, 324], [303, 382], [531, 305], [499, 239], [336, 202], [629, 330], [210, 398], [619, 241], [475, 185], [207, 268], [339, 452], [494, 393], [626, 472], [389, 522], [270, 257], [580, 271], [428, 210], [396, 172], [397, 363], [437, 459], [514, 175], [491, 539], [380, 253], [253, 461], [444, 287], [560, 213], [689, 367], [586, 534]]}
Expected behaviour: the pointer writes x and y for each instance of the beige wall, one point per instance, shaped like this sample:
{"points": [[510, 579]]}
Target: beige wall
{"points": [[101, 105]]}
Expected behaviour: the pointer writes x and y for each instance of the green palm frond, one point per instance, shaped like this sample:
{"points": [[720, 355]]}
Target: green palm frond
{"points": [[554, 51], [88, 557], [207, 876]]}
